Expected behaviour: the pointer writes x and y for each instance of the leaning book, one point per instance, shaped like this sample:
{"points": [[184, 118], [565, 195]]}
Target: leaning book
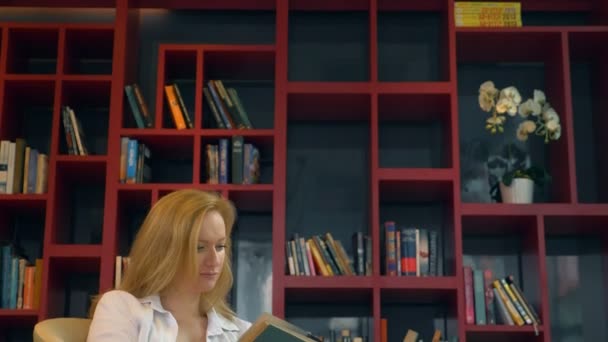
{"points": [[268, 328]]}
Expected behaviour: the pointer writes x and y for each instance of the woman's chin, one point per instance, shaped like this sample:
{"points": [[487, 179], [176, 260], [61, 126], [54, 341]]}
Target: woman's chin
{"points": [[205, 284]]}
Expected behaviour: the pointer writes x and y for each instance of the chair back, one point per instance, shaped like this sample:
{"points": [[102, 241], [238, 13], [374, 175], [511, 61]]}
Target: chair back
{"points": [[62, 329]]}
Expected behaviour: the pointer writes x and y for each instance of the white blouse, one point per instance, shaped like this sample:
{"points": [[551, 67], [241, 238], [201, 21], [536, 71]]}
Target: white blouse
{"points": [[120, 316]]}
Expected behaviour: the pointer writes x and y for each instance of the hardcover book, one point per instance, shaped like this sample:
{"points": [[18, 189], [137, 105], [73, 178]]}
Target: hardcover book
{"points": [[269, 328]]}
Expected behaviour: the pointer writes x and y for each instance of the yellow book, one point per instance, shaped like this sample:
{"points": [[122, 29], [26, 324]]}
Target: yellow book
{"points": [[487, 14], [318, 260], [508, 304], [176, 111]]}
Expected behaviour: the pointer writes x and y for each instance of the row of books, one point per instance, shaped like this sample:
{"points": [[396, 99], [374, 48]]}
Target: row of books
{"points": [[21, 281], [226, 106], [134, 161], [74, 135], [490, 300], [23, 169], [410, 251], [325, 256], [232, 161], [224, 103], [487, 14], [120, 267]]}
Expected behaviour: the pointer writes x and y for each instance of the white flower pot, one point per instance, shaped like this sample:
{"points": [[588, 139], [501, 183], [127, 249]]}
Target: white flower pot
{"points": [[521, 190]]}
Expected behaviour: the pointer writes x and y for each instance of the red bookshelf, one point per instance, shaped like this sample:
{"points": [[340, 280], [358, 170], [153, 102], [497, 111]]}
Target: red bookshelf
{"points": [[363, 112]]}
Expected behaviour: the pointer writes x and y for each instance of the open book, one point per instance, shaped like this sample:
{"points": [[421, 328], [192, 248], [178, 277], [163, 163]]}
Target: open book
{"points": [[268, 328]]}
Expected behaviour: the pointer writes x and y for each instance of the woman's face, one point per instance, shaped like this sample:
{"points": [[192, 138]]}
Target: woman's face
{"points": [[211, 251]]}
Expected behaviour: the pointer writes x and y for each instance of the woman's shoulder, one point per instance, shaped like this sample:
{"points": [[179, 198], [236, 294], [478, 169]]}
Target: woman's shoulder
{"points": [[119, 296]]}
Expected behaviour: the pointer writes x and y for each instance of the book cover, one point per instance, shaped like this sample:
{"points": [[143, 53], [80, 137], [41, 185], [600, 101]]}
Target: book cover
{"points": [[269, 328]]}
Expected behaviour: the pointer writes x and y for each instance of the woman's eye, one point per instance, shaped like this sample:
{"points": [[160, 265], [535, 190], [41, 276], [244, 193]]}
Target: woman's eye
{"points": [[220, 247], [200, 248]]}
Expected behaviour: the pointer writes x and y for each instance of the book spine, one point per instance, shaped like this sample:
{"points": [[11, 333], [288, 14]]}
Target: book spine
{"points": [[527, 306], [176, 112], [390, 247], [505, 317], [211, 104], [479, 295], [469, 300], [237, 159], [19, 162], [144, 111], [290, 268], [433, 253], [239, 107], [132, 162], [423, 252], [32, 172], [139, 121], [182, 105], [360, 253], [224, 164], [296, 257], [518, 306], [409, 239], [508, 304], [487, 282], [220, 106]]}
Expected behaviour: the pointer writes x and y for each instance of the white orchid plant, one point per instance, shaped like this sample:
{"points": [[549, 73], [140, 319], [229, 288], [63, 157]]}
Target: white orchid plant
{"points": [[540, 119]]}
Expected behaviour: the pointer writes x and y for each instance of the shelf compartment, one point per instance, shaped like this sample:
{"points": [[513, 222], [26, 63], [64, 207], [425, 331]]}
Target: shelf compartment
{"points": [[79, 202], [403, 310], [325, 106], [17, 325], [179, 66], [132, 207], [265, 147], [90, 101], [536, 63], [28, 113], [589, 84], [506, 246], [576, 259], [414, 131], [250, 71], [239, 63], [22, 226], [89, 50], [252, 257], [328, 161], [322, 310], [317, 49], [32, 50], [255, 199], [169, 162], [421, 204], [412, 45], [72, 282]]}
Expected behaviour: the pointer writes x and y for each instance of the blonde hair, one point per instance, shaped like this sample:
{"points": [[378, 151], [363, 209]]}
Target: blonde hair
{"points": [[166, 244]]}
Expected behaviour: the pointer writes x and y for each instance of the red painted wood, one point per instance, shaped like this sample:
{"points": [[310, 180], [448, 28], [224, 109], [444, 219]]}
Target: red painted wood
{"points": [[545, 310], [397, 5], [332, 5], [280, 155]]}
